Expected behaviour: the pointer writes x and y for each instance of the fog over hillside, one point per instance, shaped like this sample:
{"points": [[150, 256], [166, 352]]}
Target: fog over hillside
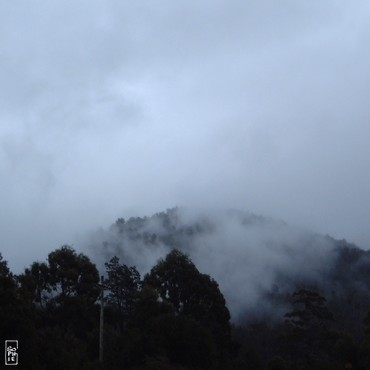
{"points": [[251, 257], [252, 117]]}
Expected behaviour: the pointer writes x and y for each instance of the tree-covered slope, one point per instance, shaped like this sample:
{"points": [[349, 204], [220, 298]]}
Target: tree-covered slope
{"points": [[257, 261]]}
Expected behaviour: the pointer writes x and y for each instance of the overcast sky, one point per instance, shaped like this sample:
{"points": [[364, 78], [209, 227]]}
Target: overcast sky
{"points": [[118, 108]]}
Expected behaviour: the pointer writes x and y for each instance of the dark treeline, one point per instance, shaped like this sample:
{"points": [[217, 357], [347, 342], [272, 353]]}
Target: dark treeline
{"points": [[175, 317]]}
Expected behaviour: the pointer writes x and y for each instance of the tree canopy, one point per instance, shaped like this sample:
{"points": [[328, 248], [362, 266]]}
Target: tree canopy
{"points": [[174, 318]]}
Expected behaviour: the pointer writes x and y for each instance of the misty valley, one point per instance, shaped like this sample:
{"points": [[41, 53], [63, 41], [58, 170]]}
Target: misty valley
{"points": [[192, 290]]}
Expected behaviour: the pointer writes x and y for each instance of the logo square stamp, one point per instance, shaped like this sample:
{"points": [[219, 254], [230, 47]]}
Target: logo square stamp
{"points": [[11, 352]]}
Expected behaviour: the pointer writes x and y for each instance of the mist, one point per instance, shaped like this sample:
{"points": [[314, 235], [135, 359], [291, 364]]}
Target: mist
{"points": [[113, 109], [249, 256]]}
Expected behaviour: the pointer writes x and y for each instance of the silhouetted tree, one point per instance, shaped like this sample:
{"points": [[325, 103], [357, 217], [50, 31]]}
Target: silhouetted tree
{"points": [[194, 295], [310, 320], [63, 293], [72, 275], [310, 311], [123, 284], [17, 316], [35, 284]]}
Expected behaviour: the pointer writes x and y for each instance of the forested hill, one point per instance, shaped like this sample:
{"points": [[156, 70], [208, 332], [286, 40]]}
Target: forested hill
{"points": [[297, 300], [257, 261]]}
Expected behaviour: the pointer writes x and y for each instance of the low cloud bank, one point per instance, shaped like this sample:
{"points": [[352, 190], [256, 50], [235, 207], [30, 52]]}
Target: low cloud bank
{"points": [[251, 257]]}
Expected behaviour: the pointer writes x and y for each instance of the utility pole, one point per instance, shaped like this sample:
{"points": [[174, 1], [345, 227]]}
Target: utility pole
{"points": [[101, 332]]}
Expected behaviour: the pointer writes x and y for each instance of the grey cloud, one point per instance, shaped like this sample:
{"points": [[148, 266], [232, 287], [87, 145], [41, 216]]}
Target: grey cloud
{"points": [[109, 107]]}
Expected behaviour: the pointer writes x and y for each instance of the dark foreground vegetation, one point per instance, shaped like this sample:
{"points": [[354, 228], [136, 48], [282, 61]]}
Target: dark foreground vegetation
{"points": [[174, 318]]}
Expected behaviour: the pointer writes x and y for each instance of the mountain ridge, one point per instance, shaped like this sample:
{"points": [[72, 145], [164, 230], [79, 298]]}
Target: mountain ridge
{"points": [[257, 261]]}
